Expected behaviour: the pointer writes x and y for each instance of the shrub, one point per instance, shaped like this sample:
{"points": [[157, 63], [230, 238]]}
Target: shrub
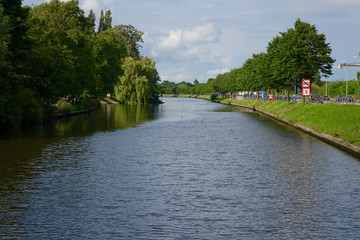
{"points": [[63, 106], [213, 97], [31, 111]]}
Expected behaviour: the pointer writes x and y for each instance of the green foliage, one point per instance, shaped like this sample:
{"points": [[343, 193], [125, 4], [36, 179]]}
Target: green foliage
{"points": [[138, 83], [10, 112], [4, 36], [51, 51], [31, 110], [298, 53], [105, 21], [213, 97], [63, 106]]}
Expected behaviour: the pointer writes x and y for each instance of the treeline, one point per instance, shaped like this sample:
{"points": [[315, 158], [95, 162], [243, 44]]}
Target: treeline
{"points": [[299, 53], [323, 88], [53, 50]]}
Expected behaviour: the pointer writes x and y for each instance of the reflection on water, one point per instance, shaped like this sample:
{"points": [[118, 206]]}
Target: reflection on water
{"points": [[187, 169], [17, 147]]}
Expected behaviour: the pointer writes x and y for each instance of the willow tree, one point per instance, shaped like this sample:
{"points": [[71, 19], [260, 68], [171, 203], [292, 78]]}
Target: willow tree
{"points": [[138, 82]]}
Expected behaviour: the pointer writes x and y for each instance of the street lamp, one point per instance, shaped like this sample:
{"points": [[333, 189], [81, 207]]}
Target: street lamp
{"points": [[341, 66]]}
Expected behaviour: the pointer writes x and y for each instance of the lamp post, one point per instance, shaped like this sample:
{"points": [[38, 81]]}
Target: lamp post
{"points": [[346, 80], [341, 66], [326, 88]]}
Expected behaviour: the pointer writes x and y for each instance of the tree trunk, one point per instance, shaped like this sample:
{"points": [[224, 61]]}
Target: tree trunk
{"points": [[288, 92]]}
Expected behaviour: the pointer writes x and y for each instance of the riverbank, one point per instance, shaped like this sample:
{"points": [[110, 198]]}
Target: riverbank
{"points": [[338, 125]]}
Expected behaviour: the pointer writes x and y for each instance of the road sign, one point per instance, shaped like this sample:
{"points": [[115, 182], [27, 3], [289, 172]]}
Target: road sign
{"points": [[306, 87], [261, 94], [306, 83], [306, 92]]}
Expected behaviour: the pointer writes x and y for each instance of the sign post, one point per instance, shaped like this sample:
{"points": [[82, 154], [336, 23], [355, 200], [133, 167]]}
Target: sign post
{"points": [[262, 95], [306, 87]]}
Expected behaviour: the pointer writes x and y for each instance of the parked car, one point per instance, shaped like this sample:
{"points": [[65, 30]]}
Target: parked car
{"points": [[325, 98], [296, 98], [349, 99], [340, 98], [315, 98]]}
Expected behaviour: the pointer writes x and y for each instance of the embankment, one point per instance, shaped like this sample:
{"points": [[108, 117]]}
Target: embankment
{"points": [[338, 125]]}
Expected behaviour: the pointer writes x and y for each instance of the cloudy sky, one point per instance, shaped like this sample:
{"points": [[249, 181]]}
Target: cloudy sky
{"points": [[198, 39]]}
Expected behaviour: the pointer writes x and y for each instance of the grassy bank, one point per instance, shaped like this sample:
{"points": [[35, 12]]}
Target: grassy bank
{"points": [[336, 120]]}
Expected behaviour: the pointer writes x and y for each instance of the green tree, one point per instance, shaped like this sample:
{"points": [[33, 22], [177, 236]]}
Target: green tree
{"points": [[4, 36], [105, 21], [138, 83], [14, 46], [62, 54], [131, 37], [300, 53], [109, 52]]}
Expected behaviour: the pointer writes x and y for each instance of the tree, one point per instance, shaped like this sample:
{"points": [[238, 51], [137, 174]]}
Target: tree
{"points": [[62, 54], [14, 46], [138, 83], [109, 52], [105, 21], [131, 38], [4, 36], [300, 53]]}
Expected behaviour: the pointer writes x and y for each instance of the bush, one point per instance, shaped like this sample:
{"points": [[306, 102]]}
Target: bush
{"points": [[79, 105], [10, 112], [31, 111], [49, 111], [63, 107], [213, 97]]}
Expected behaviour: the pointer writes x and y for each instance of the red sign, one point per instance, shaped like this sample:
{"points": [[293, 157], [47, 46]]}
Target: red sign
{"points": [[306, 87], [306, 92], [306, 83]]}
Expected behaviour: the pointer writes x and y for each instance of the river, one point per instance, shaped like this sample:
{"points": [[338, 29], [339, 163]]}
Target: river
{"points": [[186, 169]]}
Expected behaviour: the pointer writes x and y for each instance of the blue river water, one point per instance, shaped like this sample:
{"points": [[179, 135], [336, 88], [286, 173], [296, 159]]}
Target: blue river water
{"points": [[186, 169]]}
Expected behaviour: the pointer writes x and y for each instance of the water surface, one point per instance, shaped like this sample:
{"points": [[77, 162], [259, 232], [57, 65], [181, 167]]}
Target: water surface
{"points": [[187, 169]]}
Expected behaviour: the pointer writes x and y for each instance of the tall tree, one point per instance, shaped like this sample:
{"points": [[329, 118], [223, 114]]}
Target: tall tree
{"points": [[13, 56], [109, 52], [132, 38], [62, 55], [4, 36], [300, 53], [105, 21]]}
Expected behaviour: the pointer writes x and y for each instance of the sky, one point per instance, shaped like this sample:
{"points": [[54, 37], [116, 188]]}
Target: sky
{"points": [[198, 39]]}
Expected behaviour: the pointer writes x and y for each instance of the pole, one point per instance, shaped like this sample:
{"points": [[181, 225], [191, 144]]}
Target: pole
{"points": [[295, 90], [346, 81], [326, 88]]}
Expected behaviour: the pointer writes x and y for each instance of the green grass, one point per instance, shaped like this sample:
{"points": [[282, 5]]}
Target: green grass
{"points": [[337, 120]]}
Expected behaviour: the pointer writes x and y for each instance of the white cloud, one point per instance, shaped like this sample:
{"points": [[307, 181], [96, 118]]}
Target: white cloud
{"points": [[187, 39], [176, 75], [88, 5], [215, 72]]}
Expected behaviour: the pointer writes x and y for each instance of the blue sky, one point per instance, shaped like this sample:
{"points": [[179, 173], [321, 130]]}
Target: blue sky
{"points": [[197, 39]]}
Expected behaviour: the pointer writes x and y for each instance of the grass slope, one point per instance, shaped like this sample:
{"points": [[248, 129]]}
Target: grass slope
{"points": [[336, 120]]}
